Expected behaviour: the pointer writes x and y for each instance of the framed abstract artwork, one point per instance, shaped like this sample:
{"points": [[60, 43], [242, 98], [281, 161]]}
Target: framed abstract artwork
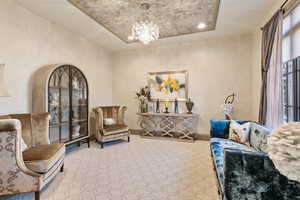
{"points": [[169, 85]]}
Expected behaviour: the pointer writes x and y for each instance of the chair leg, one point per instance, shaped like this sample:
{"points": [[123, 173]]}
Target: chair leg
{"points": [[88, 141], [78, 143], [101, 145], [62, 168], [128, 139], [37, 195]]}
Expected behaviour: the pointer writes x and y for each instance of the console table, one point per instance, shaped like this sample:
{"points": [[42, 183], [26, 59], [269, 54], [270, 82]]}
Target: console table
{"points": [[181, 126]]}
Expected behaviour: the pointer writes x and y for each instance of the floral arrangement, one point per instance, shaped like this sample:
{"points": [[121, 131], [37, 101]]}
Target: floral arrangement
{"points": [[143, 95]]}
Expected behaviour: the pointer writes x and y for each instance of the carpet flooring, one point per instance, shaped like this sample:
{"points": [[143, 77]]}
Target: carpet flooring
{"points": [[144, 169]]}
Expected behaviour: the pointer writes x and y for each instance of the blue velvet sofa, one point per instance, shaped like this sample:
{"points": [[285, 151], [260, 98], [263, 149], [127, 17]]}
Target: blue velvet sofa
{"points": [[247, 173]]}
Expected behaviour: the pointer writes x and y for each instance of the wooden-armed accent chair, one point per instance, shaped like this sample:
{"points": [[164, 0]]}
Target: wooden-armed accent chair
{"points": [[27, 159], [110, 124]]}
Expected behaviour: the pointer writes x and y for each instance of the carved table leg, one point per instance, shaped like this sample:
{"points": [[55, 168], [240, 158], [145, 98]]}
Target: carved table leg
{"points": [[186, 127], [167, 125], [147, 125]]}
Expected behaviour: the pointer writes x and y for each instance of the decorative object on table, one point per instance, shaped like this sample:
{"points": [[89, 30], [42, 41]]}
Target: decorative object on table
{"points": [[144, 30], [151, 106], [167, 103], [189, 105], [143, 95], [3, 90], [176, 106], [283, 149], [168, 85], [157, 106], [75, 131], [227, 107], [58, 81]]}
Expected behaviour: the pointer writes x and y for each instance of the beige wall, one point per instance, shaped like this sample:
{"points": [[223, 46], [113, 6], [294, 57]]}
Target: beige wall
{"points": [[256, 74], [217, 67], [29, 42]]}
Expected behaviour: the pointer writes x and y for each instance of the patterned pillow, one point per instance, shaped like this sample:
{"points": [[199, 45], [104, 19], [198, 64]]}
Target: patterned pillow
{"points": [[239, 133], [258, 137], [109, 121]]}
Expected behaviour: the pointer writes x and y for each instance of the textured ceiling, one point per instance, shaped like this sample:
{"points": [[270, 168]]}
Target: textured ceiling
{"points": [[174, 17], [236, 17]]}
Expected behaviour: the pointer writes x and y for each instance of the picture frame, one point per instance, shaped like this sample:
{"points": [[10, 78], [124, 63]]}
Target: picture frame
{"points": [[168, 85]]}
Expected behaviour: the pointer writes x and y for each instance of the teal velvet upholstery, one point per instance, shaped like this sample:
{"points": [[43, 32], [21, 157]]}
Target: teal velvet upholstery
{"points": [[247, 173], [220, 128], [218, 145]]}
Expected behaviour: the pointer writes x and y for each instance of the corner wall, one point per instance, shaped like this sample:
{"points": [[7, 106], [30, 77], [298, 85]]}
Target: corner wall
{"points": [[29, 42], [217, 67]]}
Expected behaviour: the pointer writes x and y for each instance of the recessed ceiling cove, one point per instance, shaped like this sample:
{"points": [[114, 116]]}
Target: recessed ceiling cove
{"points": [[174, 17]]}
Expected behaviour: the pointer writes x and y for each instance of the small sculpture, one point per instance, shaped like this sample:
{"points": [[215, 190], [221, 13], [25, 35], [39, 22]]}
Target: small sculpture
{"points": [[167, 106], [227, 107], [189, 106], [157, 106], [176, 106]]}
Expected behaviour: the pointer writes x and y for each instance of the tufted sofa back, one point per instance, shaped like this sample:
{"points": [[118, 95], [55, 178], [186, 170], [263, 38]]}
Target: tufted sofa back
{"points": [[32, 126]]}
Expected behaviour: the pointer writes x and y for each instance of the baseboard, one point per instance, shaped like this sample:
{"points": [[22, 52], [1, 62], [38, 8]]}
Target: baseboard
{"points": [[197, 136]]}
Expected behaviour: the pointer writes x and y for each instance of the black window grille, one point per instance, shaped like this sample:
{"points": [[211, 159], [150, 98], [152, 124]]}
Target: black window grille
{"points": [[291, 90]]}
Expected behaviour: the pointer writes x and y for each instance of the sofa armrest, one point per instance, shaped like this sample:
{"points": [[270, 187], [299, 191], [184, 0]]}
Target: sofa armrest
{"points": [[121, 115], [220, 128], [40, 128], [252, 175], [13, 171]]}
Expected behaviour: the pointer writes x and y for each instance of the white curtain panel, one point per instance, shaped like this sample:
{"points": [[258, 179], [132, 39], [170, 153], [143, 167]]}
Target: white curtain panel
{"points": [[274, 87], [3, 90]]}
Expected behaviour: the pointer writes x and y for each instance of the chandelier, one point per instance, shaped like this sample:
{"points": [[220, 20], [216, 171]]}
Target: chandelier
{"points": [[144, 31]]}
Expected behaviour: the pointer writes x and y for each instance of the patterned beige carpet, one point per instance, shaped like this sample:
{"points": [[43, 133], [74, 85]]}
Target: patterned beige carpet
{"points": [[144, 169]]}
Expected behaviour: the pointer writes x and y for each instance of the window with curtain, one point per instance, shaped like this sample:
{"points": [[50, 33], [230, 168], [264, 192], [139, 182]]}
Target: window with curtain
{"points": [[291, 65]]}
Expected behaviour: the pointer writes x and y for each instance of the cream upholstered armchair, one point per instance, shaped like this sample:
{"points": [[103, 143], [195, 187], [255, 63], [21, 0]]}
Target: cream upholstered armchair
{"points": [[110, 124], [27, 159]]}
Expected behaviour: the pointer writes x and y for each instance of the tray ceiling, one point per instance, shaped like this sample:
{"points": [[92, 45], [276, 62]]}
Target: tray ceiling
{"points": [[174, 17]]}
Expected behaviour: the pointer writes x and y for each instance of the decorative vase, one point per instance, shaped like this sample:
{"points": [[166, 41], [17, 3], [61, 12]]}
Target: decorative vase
{"points": [[144, 107], [157, 106], [189, 106], [176, 106], [75, 131]]}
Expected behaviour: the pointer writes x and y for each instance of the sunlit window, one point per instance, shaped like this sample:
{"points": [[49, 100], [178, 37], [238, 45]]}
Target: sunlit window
{"points": [[291, 65]]}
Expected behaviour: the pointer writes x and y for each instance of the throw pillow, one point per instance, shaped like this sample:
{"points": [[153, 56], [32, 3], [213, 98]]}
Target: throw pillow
{"points": [[109, 121], [239, 132], [258, 137]]}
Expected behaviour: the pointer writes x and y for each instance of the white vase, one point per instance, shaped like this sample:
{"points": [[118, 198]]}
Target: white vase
{"points": [[75, 131]]}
